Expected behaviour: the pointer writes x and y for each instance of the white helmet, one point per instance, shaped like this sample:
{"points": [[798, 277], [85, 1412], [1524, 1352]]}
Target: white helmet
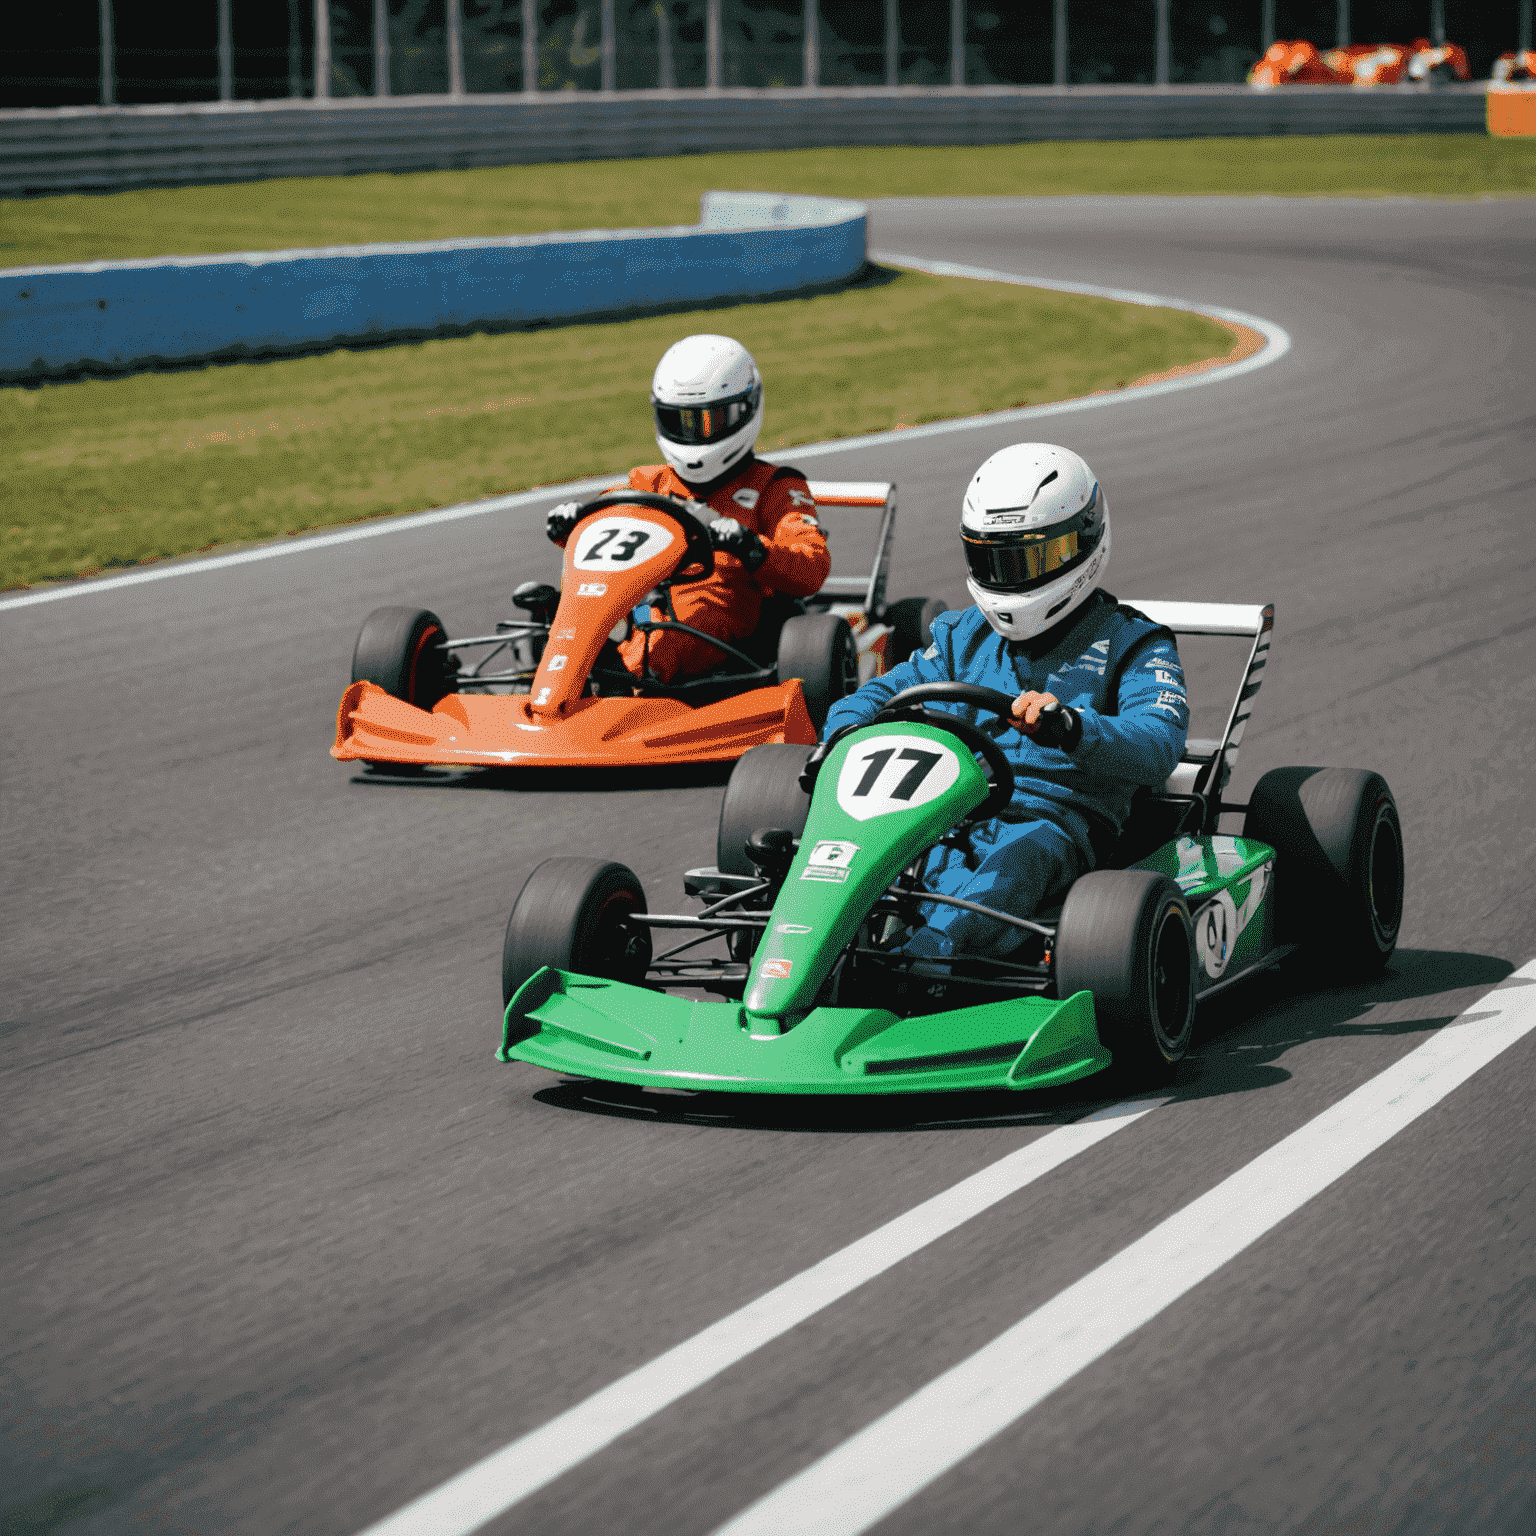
{"points": [[708, 399], [1035, 528]]}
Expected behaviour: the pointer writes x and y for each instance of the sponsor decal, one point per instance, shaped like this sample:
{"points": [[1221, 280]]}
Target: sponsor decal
{"points": [[1167, 679], [745, 497], [1167, 700], [568, 634], [889, 773], [792, 928], [591, 589], [1221, 922], [932, 653], [799, 498], [776, 970], [1216, 933], [543, 697], [1100, 645], [829, 861], [555, 663]]}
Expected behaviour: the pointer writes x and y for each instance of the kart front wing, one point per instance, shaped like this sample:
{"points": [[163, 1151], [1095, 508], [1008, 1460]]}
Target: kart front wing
{"points": [[611, 1030]]}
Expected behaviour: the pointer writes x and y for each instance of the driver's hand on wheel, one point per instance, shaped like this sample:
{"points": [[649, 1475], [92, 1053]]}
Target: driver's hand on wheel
{"points": [[561, 522], [1046, 720], [731, 538]]}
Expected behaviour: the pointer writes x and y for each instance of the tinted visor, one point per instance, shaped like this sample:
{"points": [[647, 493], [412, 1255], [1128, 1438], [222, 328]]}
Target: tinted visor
{"points": [[1016, 562], [693, 425]]}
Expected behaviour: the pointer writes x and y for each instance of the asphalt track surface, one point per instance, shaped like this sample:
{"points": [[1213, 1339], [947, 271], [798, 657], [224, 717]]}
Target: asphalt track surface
{"points": [[284, 1248]]}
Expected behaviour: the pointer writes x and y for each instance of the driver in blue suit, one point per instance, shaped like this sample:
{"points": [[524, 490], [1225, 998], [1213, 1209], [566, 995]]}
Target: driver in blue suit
{"points": [[1099, 702]]}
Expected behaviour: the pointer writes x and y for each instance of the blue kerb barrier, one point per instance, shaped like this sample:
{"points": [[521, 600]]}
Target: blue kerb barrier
{"points": [[120, 315]]}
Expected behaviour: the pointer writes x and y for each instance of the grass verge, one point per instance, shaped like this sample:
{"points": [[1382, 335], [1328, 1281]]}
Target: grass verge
{"points": [[109, 473], [615, 194]]}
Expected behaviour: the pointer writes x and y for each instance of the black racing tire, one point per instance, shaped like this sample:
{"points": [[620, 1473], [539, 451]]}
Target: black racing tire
{"points": [[911, 621], [762, 791], [402, 650], [818, 648], [572, 914], [1339, 876], [1125, 935]]}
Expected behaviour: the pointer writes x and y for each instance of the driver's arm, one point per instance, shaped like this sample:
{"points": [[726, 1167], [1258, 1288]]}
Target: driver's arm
{"points": [[1141, 743], [797, 558]]}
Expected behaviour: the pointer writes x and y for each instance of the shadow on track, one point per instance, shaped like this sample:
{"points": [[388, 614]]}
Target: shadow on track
{"points": [[1236, 1051], [1240, 1035]]}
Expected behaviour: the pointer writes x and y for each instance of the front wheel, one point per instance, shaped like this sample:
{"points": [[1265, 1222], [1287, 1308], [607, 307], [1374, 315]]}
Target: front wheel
{"points": [[573, 914], [1339, 875], [403, 651], [1125, 936], [818, 648], [762, 791]]}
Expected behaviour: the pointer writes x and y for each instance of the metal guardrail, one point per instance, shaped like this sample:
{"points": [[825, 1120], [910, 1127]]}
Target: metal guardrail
{"points": [[112, 148], [113, 316]]}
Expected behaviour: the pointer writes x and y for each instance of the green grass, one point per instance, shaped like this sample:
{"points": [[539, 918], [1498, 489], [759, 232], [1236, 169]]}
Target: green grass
{"points": [[596, 194], [111, 472]]}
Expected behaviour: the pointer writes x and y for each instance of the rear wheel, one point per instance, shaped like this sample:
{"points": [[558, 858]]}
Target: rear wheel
{"points": [[911, 622], [818, 648], [1339, 875], [1125, 936], [574, 914], [763, 791], [402, 650]]}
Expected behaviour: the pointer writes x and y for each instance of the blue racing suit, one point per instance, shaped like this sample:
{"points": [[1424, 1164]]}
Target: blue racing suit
{"points": [[1121, 672]]}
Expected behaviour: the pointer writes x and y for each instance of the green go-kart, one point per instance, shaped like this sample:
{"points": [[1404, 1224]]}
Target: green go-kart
{"points": [[818, 882]]}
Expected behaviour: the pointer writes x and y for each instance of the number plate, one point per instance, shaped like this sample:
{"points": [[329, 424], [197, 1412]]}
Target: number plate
{"points": [[889, 773], [615, 543]]}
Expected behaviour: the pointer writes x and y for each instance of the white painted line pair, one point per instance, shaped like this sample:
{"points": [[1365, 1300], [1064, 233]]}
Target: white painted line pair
{"points": [[472, 1498], [1277, 345], [898, 1455]]}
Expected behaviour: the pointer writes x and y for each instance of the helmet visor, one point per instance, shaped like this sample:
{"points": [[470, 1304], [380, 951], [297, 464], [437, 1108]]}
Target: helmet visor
{"points": [[1016, 566], [694, 425], [1017, 561]]}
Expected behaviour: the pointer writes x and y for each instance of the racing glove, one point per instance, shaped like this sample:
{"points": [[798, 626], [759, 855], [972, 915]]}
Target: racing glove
{"points": [[1059, 726], [730, 538], [561, 522]]}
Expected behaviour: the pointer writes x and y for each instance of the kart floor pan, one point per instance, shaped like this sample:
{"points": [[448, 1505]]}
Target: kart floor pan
{"points": [[495, 730]]}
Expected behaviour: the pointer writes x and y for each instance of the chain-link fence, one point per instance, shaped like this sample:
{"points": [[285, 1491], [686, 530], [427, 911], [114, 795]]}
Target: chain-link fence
{"points": [[77, 52]]}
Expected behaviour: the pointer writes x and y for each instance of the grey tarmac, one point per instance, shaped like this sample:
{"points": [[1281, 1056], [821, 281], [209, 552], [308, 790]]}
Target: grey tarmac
{"points": [[284, 1247]]}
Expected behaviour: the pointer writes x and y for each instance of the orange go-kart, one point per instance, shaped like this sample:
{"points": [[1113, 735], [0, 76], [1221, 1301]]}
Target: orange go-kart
{"points": [[549, 689]]}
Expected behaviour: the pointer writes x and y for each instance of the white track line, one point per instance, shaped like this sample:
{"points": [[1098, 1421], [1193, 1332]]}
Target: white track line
{"points": [[1277, 344], [883, 1466], [485, 1490]]}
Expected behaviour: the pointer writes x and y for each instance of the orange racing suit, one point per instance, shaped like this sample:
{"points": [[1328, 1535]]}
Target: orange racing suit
{"points": [[776, 504]]}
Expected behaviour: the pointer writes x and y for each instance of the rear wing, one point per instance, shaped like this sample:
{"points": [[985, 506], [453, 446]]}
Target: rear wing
{"points": [[1206, 767], [878, 496]]}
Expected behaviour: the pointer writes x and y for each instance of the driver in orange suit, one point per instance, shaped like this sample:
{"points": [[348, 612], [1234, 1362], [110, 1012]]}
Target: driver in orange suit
{"points": [[707, 396]]}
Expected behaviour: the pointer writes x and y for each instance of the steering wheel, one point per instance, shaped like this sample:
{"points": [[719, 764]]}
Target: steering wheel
{"points": [[697, 561], [909, 705]]}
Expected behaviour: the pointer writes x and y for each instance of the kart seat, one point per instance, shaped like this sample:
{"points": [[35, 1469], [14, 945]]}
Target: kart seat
{"points": [[1196, 754], [1155, 819]]}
